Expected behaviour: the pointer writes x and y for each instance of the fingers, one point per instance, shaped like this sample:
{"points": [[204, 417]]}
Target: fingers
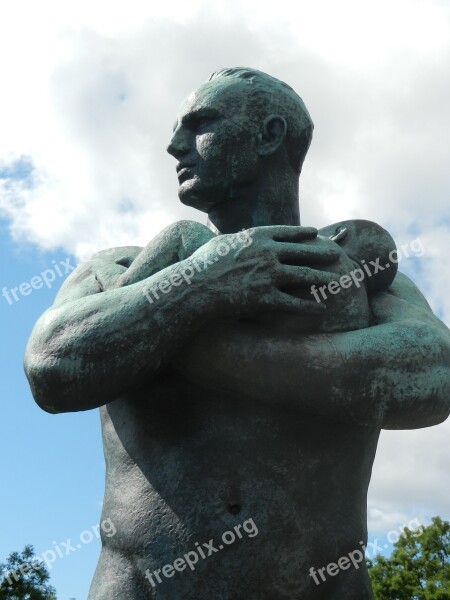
{"points": [[293, 276], [288, 233], [301, 254], [286, 303]]}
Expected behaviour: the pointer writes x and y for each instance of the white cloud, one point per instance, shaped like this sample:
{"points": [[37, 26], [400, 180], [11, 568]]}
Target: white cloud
{"points": [[93, 93], [90, 91], [410, 478]]}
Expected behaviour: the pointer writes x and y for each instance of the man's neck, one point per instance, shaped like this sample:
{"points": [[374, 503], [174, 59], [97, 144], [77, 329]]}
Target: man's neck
{"points": [[274, 201]]}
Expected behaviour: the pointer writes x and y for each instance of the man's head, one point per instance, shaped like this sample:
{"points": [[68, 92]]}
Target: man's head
{"points": [[230, 131], [270, 96]]}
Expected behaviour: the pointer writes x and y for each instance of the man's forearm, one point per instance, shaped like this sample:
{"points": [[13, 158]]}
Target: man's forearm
{"points": [[85, 353], [395, 375]]}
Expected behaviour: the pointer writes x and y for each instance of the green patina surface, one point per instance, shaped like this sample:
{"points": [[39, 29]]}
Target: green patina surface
{"points": [[242, 378]]}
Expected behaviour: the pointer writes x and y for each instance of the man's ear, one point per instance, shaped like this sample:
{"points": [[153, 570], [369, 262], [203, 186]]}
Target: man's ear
{"points": [[272, 135]]}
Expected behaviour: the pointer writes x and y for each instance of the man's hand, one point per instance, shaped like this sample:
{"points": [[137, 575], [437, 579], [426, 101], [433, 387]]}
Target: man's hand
{"points": [[310, 259], [264, 268], [346, 297]]}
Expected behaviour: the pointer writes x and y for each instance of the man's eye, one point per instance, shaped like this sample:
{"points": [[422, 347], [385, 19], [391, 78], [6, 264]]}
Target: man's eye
{"points": [[202, 122]]}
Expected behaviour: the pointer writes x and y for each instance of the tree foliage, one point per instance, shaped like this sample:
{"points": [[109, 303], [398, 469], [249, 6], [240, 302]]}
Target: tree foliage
{"points": [[25, 577], [418, 568]]}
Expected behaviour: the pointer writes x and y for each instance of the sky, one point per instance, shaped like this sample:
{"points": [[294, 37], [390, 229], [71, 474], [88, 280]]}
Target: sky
{"points": [[90, 91]]}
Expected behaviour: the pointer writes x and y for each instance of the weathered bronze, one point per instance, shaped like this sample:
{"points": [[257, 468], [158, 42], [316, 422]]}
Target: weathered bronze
{"points": [[241, 392]]}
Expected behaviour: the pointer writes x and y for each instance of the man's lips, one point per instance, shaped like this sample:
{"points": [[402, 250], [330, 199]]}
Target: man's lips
{"points": [[184, 172]]}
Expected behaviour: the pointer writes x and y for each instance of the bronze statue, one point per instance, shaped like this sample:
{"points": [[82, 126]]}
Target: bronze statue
{"points": [[241, 409]]}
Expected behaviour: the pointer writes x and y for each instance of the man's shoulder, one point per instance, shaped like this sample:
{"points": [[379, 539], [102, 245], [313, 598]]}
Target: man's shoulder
{"points": [[91, 274], [122, 255], [111, 258]]}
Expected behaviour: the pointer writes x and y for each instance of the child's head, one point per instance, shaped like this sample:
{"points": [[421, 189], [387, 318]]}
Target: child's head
{"points": [[369, 245]]}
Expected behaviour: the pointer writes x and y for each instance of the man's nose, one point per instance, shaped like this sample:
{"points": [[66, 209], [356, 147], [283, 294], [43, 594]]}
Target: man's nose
{"points": [[179, 144]]}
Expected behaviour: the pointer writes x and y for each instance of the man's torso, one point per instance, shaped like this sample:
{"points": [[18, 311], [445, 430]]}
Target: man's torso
{"points": [[186, 465]]}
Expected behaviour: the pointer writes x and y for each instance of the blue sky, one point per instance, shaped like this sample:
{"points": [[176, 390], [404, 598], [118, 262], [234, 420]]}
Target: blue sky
{"points": [[93, 90], [53, 466]]}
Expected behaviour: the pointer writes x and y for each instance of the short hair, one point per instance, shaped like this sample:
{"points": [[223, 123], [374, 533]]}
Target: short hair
{"points": [[272, 95]]}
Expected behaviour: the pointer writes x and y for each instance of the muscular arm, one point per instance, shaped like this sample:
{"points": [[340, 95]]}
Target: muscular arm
{"points": [[97, 343], [87, 351], [394, 375]]}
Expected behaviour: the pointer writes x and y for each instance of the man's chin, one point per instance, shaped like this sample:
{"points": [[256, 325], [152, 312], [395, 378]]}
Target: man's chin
{"points": [[189, 197]]}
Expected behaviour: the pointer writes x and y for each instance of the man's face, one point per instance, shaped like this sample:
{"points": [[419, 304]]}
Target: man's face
{"points": [[215, 142]]}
